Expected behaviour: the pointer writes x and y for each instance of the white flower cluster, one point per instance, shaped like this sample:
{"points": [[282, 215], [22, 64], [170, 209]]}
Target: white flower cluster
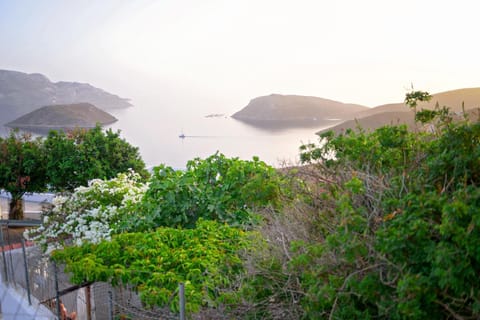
{"points": [[91, 213]]}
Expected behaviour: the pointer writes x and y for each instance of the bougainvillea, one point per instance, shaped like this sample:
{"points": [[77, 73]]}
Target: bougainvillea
{"points": [[90, 213]]}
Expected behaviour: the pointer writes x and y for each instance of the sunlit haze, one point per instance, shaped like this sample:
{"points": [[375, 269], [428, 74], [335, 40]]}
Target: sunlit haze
{"points": [[223, 53], [181, 60]]}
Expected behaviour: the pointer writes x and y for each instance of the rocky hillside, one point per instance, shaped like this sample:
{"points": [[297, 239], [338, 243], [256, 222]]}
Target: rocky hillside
{"points": [[62, 117], [21, 93], [399, 113], [293, 110]]}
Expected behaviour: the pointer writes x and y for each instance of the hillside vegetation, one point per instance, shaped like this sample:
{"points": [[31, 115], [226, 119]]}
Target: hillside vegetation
{"points": [[380, 224], [458, 101]]}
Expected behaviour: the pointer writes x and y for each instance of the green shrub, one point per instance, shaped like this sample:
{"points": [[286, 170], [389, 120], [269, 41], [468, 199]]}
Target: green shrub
{"points": [[217, 188], [206, 258], [403, 243]]}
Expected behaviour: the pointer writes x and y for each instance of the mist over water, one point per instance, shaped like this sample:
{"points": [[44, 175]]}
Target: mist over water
{"points": [[154, 124], [156, 131]]}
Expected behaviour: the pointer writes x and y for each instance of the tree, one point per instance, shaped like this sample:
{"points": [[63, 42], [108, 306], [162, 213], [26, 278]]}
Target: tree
{"points": [[412, 98], [62, 161], [22, 168], [81, 155], [216, 188]]}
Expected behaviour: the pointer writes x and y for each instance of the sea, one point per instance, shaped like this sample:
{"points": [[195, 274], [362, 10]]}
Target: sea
{"points": [[158, 137], [156, 132]]}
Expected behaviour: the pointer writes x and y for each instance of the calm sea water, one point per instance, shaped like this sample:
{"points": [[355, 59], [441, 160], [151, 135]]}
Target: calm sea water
{"points": [[155, 131], [157, 137]]}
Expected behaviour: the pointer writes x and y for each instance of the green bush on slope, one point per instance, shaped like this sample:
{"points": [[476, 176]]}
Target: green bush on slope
{"points": [[403, 240]]}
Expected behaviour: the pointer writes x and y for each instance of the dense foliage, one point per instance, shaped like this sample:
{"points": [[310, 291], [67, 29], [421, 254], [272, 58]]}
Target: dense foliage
{"points": [[62, 162], [104, 219], [216, 188], [381, 224], [78, 156], [22, 168], [206, 258], [403, 226]]}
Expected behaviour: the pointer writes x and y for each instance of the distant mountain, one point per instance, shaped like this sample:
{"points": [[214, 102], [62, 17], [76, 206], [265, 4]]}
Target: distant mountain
{"points": [[62, 117], [294, 110], [21, 93], [399, 113]]}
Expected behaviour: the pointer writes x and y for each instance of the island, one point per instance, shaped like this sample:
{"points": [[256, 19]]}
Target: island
{"points": [[62, 117], [21, 93], [278, 110]]}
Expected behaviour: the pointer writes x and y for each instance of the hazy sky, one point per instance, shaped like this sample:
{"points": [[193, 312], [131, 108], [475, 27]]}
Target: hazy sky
{"points": [[224, 53]]}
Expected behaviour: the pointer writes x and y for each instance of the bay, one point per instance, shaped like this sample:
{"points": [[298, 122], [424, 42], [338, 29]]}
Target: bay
{"points": [[156, 134], [155, 131]]}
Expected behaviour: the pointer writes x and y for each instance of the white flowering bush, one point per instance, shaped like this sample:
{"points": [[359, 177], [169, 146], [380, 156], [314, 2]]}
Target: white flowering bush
{"points": [[91, 213]]}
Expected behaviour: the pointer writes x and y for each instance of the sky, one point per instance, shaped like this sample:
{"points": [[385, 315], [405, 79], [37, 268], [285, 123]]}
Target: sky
{"points": [[222, 53]]}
